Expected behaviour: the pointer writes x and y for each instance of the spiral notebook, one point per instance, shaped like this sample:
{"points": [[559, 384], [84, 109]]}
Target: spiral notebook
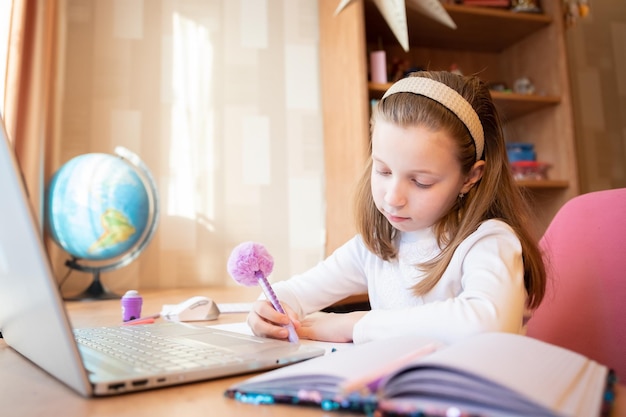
{"points": [[33, 320], [490, 374]]}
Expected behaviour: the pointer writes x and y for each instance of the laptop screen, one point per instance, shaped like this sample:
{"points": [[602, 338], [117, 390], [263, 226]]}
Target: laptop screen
{"points": [[33, 320]]}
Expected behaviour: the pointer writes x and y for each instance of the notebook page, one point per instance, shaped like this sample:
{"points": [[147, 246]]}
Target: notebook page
{"points": [[334, 368], [549, 375], [587, 396], [243, 328], [458, 389]]}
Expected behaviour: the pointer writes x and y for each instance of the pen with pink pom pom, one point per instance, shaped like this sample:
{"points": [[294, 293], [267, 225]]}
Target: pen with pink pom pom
{"points": [[249, 264]]}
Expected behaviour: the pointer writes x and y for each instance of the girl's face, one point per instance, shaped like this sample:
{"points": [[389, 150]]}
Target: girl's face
{"points": [[416, 176]]}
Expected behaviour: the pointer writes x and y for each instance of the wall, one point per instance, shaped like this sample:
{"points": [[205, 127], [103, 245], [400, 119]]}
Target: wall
{"points": [[220, 98], [597, 62]]}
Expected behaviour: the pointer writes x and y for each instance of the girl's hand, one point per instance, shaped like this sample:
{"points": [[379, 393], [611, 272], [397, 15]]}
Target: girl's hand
{"points": [[329, 327], [265, 321]]}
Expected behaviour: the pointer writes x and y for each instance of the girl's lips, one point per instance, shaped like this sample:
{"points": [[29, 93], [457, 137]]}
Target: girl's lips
{"points": [[396, 219]]}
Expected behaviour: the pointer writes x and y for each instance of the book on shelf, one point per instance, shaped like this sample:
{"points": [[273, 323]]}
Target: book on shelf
{"points": [[491, 374]]}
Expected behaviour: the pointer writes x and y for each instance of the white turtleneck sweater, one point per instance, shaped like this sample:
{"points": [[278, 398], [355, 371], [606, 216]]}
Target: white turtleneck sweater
{"points": [[481, 290]]}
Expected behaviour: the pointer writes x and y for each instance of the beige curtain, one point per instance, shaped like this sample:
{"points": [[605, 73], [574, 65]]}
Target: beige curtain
{"points": [[29, 89], [219, 98]]}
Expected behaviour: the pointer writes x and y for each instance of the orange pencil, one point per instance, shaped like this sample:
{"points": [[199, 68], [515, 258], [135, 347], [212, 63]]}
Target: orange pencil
{"points": [[142, 320]]}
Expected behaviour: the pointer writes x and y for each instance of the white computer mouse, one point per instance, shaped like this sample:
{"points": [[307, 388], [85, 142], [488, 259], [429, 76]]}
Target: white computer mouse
{"points": [[198, 308]]}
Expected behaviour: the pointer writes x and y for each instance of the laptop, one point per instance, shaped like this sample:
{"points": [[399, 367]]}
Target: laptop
{"points": [[34, 322]]}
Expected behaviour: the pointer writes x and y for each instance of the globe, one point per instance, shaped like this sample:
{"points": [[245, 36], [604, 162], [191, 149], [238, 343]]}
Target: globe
{"points": [[101, 209]]}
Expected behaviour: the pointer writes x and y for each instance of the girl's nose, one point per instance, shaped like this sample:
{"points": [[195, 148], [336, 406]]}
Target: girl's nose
{"points": [[395, 196]]}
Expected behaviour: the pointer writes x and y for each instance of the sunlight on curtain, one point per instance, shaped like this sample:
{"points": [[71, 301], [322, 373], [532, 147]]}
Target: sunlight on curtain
{"points": [[192, 128], [5, 28], [220, 99]]}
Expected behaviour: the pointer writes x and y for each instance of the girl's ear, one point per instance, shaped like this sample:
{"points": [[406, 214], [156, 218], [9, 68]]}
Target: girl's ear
{"points": [[475, 174]]}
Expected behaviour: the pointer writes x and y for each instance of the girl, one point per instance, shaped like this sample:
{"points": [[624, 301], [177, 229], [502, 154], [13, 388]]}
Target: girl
{"points": [[442, 247]]}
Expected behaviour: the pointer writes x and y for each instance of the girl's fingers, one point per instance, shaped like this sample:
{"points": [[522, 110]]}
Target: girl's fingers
{"points": [[266, 310], [265, 321]]}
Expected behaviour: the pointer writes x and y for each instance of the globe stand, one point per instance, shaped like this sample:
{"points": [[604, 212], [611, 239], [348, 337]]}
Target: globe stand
{"points": [[95, 291]]}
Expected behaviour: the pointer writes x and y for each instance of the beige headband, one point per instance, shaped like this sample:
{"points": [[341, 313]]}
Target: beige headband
{"points": [[449, 98]]}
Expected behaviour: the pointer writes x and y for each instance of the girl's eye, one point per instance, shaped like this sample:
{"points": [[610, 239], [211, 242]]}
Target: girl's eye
{"points": [[421, 185], [383, 172]]}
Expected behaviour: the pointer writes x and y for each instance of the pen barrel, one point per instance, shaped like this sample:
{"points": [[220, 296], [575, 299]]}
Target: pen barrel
{"points": [[271, 296], [293, 336]]}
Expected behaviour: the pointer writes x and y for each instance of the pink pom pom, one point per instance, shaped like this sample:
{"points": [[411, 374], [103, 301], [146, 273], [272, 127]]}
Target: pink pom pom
{"points": [[247, 260]]}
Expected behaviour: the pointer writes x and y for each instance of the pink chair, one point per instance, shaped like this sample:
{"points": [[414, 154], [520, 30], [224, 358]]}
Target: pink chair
{"points": [[585, 305]]}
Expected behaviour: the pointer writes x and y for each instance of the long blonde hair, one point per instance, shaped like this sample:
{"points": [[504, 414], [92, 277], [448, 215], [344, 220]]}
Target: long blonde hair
{"points": [[495, 196]]}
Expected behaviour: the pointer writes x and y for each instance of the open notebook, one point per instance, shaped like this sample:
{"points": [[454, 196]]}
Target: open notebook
{"points": [[33, 321], [490, 374]]}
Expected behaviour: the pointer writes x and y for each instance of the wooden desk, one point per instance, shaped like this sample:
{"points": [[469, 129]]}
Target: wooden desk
{"points": [[27, 391]]}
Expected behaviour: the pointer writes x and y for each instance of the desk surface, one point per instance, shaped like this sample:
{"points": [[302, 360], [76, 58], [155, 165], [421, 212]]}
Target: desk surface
{"points": [[27, 391]]}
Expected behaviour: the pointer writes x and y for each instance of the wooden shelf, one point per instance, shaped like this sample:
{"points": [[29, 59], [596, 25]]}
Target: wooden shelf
{"points": [[499, 45], [544, 184], [377, 90], [479, 29], [510, 105]]}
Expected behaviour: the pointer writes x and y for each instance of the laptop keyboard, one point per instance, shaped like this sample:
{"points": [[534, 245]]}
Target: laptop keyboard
{"points": [[144, 351]]}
